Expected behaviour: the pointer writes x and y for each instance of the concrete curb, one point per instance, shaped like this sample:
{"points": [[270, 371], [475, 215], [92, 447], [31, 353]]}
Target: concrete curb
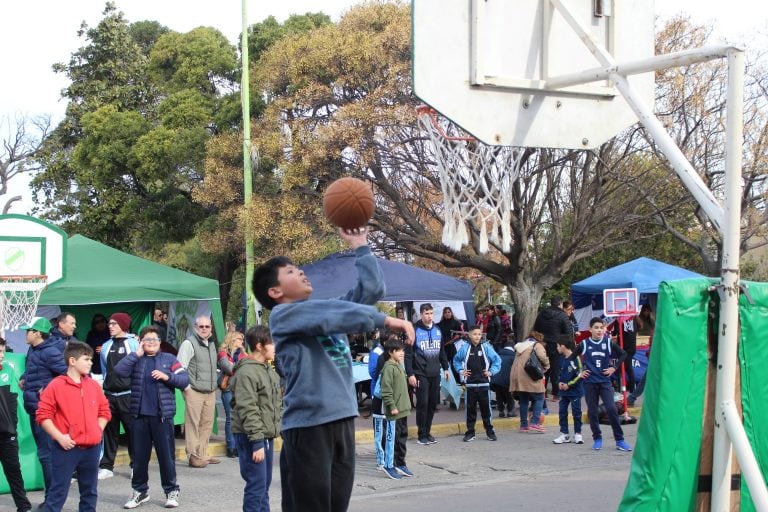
{"points": [[364, 436]]}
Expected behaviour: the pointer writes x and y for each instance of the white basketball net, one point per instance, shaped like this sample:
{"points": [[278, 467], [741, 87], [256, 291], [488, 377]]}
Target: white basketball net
{"points": [[476, 181], [18, 299]]}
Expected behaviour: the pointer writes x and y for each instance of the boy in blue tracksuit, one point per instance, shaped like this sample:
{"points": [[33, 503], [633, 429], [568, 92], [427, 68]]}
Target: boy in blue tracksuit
{"points": [[154, 376], [475, 363], [571, 391], [317, 461], [598, 351], [500, 381], [376, 361]]}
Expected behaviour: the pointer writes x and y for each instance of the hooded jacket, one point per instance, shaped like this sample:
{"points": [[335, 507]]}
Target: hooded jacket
{"points": [[426, 357], [554, 324], [257, 402], [75, 408], [518, 378]]}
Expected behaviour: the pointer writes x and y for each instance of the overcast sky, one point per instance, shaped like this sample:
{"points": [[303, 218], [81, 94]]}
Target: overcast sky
{"points": [[34, 34]]}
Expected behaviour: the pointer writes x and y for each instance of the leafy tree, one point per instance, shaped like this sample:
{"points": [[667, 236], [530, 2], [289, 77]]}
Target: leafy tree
{"points": [[143, 102], [691, 104]]}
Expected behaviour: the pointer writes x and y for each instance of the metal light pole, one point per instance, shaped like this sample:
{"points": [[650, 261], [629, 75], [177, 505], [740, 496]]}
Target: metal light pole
{"points": [[250, 316]]}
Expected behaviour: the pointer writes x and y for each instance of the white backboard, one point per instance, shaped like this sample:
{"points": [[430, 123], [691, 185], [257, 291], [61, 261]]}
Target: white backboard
{"points": [[29, 246], [484, 64]]}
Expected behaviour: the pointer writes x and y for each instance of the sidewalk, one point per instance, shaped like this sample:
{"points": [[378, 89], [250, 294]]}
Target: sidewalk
{"points": [[447, 422]]}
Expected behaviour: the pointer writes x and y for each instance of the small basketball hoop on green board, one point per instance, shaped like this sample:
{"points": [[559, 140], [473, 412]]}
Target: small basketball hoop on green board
{"points": [[19, 296], [476, 181]]}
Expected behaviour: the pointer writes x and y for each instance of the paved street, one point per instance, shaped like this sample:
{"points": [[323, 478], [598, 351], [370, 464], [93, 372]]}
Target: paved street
{"points": [[519, 471]]}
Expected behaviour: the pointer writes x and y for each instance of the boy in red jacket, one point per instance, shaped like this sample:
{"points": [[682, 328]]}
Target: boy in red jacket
{"points": [[74, 411]]}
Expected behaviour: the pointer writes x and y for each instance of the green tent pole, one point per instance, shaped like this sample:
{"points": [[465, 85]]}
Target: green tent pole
{"points": [[250, 317]]}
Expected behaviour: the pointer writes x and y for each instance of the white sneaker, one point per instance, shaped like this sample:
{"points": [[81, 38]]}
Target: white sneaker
{"points": [[578, 439], [172, 499], [562, 438], [137, 499], [105, 473]]}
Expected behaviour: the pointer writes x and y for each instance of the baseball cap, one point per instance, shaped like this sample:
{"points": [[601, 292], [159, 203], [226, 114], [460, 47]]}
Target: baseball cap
{"points": [[38, 323]]}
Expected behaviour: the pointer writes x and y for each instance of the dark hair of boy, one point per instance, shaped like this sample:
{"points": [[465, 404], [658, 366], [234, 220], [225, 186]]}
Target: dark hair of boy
{"points": [[567, 344], [77, 350], [426, 307], [265, 277], [257, 335], [555, 302], [473, 327], [148, 329], [392, 345], [595, 320], [2, 341]]}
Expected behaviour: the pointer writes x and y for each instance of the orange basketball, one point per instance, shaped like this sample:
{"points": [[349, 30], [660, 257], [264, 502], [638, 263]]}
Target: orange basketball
{"points": [[348, 203]]}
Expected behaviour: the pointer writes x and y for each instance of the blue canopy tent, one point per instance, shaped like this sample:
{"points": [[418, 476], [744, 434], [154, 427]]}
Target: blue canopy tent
{"points": [[645, 274], [334, 275]]}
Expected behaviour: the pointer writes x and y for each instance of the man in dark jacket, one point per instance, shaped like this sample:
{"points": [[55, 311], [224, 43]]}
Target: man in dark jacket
{"points": [[423, 362], [493, 330], [45, 360], [64, 330], [554, 324]]}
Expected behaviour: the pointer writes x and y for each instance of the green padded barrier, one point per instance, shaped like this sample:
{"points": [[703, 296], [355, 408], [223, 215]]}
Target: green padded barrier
{"points": [[13, 367], [665, 465], [753, 358]]}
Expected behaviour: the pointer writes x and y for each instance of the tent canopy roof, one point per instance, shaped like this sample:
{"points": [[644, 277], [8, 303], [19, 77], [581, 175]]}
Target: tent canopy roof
{"points": [[645, 274], [334, 275], [98, 274]]}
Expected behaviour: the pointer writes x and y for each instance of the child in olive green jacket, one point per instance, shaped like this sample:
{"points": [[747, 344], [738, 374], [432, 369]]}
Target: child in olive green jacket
{"points": [[257, 406], [396, 405]]}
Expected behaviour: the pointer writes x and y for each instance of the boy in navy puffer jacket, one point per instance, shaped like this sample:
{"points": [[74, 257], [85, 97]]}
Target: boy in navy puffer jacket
{"points": [[154, 377]]}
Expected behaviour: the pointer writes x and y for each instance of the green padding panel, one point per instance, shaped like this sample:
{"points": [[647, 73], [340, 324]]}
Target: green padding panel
{"points": [[664, 472], [753, 358], [13, 367]]}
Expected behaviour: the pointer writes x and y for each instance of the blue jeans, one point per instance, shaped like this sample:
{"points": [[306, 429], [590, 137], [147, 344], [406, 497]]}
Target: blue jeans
{"points": [[537, 401], [575, 403], [226, 401], [63, 463], [257, 476], [44, 445]]}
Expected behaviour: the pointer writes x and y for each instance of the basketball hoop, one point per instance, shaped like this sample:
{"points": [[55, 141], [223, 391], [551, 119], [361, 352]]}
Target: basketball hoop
{"points": [[476, 181], [19, 296]]}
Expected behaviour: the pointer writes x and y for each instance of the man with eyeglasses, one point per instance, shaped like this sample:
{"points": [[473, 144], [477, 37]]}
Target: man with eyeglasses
{"points": [[197, 354], [117, 389]]}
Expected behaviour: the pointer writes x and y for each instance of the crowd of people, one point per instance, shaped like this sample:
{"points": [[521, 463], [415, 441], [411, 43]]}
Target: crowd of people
{"points": [[294, 380]]}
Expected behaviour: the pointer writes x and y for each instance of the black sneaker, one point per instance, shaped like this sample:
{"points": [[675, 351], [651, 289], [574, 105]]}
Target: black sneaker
{"points": [[469, 436], [502, 414], [492, 436], [423, 440], [431, 439]]}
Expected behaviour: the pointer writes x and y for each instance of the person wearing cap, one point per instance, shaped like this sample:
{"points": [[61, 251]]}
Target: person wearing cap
{"points": [[117, 389], [198, 355], [45, 361]]}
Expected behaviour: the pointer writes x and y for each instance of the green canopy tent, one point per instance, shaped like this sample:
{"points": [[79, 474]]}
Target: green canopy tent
{"points": [[100, 279], [97, 274]]}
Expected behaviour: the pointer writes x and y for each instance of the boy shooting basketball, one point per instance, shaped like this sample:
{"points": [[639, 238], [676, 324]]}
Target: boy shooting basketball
{"points": [[317, 461]]}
